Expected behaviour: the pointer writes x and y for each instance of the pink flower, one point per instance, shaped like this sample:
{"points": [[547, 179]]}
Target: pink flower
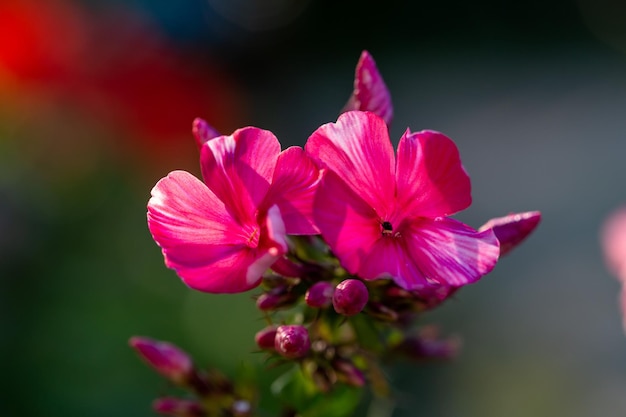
{"points": [[220, 236], [384, 216], [370, 92]]}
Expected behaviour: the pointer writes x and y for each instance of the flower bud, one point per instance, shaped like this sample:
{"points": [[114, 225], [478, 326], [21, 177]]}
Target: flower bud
{"points": [[292, 341], [275, 298], [265, 338], [203, 132], [165, 358], [348, 372], [382, 312], [171, 406], [350, 297], [427, 344], [511, 230], [320, 295]]}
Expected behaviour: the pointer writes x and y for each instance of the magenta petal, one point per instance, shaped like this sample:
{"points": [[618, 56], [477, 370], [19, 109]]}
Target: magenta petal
{"points": [[199, 238], [430, 178], [513, 229], [389, 258], [203, 132], [347, 223], [358, 150], [238, 271], [293, 189], [448, 251], [239, 168], [370, 92], [183, 210]]}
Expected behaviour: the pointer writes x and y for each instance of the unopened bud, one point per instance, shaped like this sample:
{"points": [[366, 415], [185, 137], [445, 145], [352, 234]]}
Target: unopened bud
{"points": [[348, 372], [265, 338], [165, 358], [292, 341], [511, 230], [320, 295], [203, 132], [287, 268], [382, 312], [171, 406], [350, 297], [432, 296], [428, 345], [275, 298]]}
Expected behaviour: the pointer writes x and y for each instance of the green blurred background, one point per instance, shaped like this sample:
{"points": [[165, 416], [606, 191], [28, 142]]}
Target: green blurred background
{"points": [[96, 104]]}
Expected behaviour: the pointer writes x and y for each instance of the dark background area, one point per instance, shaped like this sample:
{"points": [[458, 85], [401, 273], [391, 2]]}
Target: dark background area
{"points": [[96, 104]]}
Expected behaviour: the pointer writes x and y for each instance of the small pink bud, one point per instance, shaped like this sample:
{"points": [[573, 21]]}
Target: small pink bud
{"points": [[171, 406], [350, 297], [287, 268], [348, 372], [370, 92], [203, 132], [428, 344], [275, 298], [292, 341], [265, 338], [511, 230], [320, 295], [165, 358]]}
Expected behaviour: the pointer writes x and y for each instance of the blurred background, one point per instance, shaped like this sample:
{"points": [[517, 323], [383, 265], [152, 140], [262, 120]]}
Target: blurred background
{"points": [[96, 104]]}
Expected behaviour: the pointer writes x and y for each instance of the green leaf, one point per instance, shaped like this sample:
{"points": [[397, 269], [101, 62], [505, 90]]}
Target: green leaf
{"points": [[298, 391]]}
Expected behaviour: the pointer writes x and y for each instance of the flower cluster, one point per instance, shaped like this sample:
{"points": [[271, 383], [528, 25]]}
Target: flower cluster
{"points": [[348, 240]]}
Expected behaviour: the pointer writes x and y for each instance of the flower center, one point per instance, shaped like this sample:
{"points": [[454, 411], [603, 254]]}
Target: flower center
{"points": [[253, 240], [387, 228]]}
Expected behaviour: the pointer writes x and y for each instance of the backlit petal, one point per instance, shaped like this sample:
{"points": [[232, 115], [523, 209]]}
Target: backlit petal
{"points": [[347, 223], [448, 251], [199, 238], [239, 168], [235, 272], [389, 258], [358, 150], [430, 178], [293, 189], [370, 92]]}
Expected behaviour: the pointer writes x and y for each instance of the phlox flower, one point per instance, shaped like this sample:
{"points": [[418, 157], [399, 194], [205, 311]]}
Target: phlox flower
{"points": [[385, 216], [222, 234]]}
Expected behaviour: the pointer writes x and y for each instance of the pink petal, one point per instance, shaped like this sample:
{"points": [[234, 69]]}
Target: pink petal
{"points": [[239, 168], [613, 239], [389, 258], [347, 223], [513, 229], [203, 132], [199, 238], [358, 150], [293, 189], [430, 178], [448, 251], [236, 271], [370, 92]]}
